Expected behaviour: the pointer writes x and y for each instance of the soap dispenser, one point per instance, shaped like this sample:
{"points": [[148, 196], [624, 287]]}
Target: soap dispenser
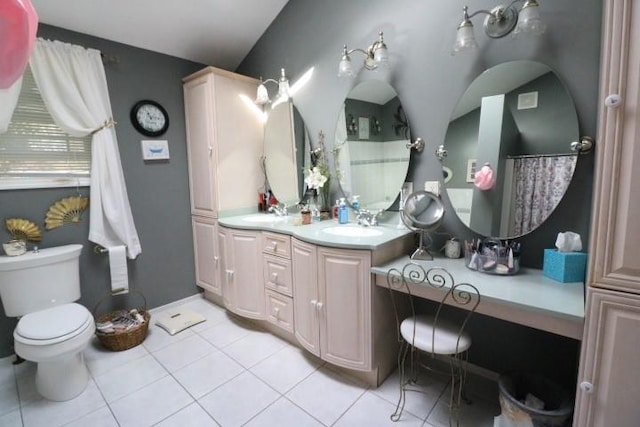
{"points": [[343, 214], [355, 202]]}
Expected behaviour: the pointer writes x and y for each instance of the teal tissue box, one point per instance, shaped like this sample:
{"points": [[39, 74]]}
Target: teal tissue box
{"points": [[564, 266]]}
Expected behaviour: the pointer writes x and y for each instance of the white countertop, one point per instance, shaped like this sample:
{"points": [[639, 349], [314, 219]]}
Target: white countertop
{"points": [[527, 298], [313, 233]]}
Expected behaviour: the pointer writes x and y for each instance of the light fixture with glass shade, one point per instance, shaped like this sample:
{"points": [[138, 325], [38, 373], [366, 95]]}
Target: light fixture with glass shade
{"points": [[500, 21], [376, 56], [262, 95]]}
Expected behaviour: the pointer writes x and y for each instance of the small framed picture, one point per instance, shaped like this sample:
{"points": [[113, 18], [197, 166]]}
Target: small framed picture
{"points": [[363, 127], [155, 149], [472, 164], [527, 100]]}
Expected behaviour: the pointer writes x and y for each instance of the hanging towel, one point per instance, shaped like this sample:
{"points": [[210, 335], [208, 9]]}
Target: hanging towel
{"points": [[118, 269]]}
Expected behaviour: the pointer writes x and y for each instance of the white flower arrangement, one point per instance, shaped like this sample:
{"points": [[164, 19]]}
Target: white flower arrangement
{"points": [[316, 178]]}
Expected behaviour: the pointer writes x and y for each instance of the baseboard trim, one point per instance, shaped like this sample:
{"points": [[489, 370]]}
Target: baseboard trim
{"points": [[177, 303]]}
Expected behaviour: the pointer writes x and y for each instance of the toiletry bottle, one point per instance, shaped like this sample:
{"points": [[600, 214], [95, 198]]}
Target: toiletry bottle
{"points": [[335, 209], [343, 214], [355, 202]]}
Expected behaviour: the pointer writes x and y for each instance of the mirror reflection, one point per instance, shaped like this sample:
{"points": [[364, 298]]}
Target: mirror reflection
{"points": [[518, 118], [286, 146], [371, 158]]}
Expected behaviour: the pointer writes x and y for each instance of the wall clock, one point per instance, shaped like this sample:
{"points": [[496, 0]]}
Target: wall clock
{"points": [[149, 118]]}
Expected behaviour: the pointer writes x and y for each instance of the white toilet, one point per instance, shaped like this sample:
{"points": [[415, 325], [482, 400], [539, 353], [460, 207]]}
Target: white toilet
{"points": [[40, 287]]}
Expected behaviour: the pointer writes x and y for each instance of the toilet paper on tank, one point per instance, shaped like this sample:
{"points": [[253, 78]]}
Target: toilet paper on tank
{"points": [[118, 269], [569, 242]]}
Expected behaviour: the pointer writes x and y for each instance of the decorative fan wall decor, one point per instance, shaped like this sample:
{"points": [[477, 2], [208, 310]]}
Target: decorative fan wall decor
{"points": [[23, 229], [66, 211]]}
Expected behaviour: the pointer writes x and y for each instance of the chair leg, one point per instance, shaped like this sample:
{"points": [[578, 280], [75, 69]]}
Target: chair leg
{"points": [[402, 357], [457, 395]]}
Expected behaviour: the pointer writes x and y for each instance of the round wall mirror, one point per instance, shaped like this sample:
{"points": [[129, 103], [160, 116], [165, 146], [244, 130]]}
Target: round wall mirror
{"points": [[371, 157], [422, 211], [286, 146], [518, 118]]}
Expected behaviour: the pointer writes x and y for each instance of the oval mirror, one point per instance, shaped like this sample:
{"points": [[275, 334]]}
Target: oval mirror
{"points": [[518, 118], [286, 145], [371, 157]]}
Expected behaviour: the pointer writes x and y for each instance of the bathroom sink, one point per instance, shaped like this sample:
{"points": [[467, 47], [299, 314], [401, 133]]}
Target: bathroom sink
{"points": [[263, 218], [351, 231]]}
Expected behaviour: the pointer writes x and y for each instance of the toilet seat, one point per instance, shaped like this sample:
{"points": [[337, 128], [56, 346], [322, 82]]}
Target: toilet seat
{"points": [[53, 325]]}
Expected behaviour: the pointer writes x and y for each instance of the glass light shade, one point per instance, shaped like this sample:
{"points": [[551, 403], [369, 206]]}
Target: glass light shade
{"points": [[262, 96], [381, 56], [529, 20], [465, 38], [283, 88], [345, 69]]}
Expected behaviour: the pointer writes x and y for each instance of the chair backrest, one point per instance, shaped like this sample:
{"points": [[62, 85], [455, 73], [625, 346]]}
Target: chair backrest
{"points": [[414, 279]]}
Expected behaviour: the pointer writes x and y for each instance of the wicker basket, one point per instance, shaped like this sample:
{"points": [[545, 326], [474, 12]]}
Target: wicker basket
{"points": [[122, 340]]}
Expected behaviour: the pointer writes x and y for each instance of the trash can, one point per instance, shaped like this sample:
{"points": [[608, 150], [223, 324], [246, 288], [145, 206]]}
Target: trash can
{"points": [[532, 400]]}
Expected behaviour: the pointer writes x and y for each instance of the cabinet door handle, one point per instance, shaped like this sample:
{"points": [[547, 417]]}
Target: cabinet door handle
{"points": [[276, 311], [230, 276], [586, 386], [314, 304], [274, 277], [216, 260], [210, 150], [319, 306]]}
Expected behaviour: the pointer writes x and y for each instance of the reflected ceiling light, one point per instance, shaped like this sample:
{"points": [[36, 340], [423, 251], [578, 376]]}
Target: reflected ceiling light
{"points": [[262, 95], [376, 56], [501, 20]]}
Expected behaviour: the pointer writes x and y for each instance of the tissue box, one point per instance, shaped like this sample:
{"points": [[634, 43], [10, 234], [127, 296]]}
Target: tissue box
{"points": [[564, 266]]}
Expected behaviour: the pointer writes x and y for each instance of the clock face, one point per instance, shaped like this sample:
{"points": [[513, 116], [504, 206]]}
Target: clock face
{"points": [[149, 118]]}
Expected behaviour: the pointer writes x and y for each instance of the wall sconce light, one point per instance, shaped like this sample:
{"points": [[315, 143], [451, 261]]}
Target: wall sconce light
{"points": [[376, 56], [262, 95], [352, 126], [501, 20], [376, 127]]}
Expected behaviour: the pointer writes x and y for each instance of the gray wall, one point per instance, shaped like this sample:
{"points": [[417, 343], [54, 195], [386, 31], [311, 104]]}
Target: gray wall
{"points": [[158, 192], [429, 82]]}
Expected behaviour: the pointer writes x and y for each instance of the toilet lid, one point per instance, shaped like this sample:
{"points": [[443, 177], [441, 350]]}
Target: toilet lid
{"points": [[53, 322]]}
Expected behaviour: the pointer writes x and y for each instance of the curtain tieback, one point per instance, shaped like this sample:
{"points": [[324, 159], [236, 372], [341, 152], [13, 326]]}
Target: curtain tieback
{"points": [[107, 123]]}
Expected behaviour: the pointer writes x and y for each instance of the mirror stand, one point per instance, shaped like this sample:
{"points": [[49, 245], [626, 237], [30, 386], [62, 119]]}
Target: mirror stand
{"points": [[422, 253]]}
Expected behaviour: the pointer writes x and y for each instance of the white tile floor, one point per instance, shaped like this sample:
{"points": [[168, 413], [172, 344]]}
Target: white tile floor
{"points": [[224, 372]]}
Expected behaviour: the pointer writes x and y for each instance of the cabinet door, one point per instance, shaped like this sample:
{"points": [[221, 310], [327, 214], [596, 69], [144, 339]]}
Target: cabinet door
{"points": [[344, 282], [609, 380], [201, 152], [205, 248], [615, 263], [244, 287], [305, 295]]}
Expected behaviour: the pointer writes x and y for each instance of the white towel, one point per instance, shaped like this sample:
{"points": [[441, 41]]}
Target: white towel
{"points": [[118, 269]]}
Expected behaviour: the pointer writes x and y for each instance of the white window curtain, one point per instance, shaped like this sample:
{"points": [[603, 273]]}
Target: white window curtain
{"points": [[73, 85], [8, 101]]}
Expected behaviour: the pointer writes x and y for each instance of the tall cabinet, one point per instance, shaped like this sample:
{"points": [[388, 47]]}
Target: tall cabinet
{"points": [[609, 379], [224, 147]]}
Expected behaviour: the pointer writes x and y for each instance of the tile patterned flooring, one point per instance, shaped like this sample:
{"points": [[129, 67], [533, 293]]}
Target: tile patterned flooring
{"points": [[226, 372]]}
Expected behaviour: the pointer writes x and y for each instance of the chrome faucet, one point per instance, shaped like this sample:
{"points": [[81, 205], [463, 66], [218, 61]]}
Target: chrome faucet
{"points": [[279, 210], [367, 218]]}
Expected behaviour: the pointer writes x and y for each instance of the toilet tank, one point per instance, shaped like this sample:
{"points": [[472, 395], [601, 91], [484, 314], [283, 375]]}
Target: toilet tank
{"points": [[38, 280]]}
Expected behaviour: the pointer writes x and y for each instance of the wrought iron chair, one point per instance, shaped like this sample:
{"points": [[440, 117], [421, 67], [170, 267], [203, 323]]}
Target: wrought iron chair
{"points": [[431, 334]]}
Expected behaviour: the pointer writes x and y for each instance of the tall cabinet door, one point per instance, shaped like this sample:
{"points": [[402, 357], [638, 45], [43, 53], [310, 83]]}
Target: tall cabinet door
{"points": [[201, 145], [243, 291], [609, 383], [305, 295], [207, 259], [344, 282], [609, 378]]}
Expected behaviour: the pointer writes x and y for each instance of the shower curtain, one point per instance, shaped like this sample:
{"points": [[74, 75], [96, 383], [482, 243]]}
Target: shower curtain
{"points": [[540, 184]]}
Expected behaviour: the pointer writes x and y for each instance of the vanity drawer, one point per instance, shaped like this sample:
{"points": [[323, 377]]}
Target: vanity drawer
{"points": [[276, 244], [279, 310], [277, 274]]}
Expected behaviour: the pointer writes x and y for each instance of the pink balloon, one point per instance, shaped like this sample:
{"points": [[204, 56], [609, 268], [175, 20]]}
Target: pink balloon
{"points": [[18, 28], [484, 178]]}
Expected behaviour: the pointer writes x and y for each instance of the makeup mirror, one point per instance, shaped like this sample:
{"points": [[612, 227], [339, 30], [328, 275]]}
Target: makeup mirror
{"points": [[371, 157], [518, 118], [422, 211], [286, 146]]}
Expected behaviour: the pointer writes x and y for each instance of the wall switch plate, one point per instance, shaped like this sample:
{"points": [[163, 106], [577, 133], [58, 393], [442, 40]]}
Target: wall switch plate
{"points": [[432, 187]]}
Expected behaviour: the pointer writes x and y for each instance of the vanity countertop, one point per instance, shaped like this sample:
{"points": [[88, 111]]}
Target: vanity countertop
{"points": [[527, 298], [320, 233]]}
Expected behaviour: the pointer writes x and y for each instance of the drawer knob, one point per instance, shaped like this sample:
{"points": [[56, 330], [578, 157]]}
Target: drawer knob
{"points": [[613, 100], [586, 386], [274, 277], [276, 311]]}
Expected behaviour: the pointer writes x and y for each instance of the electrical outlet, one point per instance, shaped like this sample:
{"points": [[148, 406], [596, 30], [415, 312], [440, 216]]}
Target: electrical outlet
{"points": [[432, 187]]}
